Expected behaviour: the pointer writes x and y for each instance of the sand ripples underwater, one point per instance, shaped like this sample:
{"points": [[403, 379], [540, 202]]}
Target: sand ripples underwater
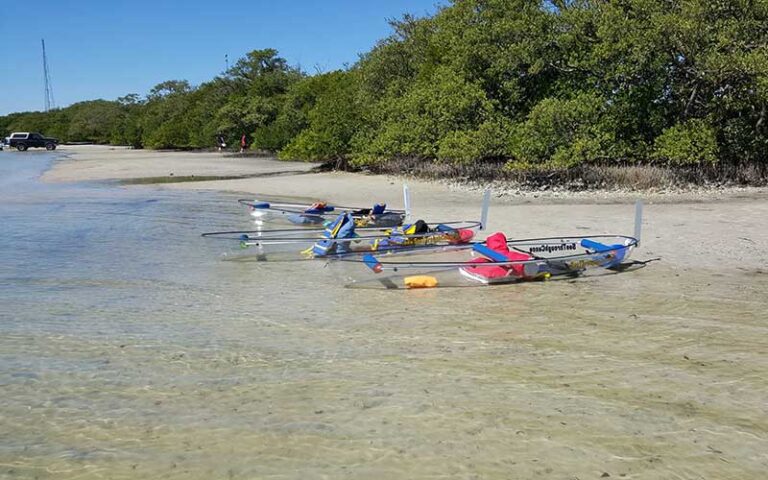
{"points": [[128, 349]]}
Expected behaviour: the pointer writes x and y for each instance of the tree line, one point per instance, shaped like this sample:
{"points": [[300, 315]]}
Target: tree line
{"points": [[537, 84]]}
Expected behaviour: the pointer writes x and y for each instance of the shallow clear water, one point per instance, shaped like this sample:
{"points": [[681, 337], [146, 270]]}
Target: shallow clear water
{"points": [[129, 349]]}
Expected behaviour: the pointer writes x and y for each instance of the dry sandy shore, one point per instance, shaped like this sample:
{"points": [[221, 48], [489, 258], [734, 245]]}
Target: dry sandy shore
{"points": [[721, 230]]}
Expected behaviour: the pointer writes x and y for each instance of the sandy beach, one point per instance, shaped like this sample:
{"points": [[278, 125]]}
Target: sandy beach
{"points": [[132, 349], [718, 229]]}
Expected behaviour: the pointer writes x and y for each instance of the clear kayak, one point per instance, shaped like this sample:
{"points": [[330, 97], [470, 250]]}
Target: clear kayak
{"points": [[317, 214], [343, 238], [492, 262]]}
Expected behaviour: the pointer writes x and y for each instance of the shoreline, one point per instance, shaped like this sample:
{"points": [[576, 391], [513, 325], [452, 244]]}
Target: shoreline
{"points": [[203, 170], [720, 231]]}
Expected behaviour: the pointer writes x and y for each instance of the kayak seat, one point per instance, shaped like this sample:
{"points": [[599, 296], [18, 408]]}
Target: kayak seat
{"points": [[496, 250]]}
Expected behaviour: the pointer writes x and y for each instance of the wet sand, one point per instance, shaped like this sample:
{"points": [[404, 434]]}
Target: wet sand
{"points": [[94, 162], [657, 373]]}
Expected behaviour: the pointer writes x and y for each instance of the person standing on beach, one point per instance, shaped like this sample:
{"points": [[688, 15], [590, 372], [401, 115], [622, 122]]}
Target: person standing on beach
{"points": [[243, 144], [220, 142]]}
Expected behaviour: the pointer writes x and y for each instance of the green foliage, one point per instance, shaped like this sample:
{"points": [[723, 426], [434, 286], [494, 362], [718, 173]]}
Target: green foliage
{"points": [[168, 88], [257, 86], [565, 133], [332, 115], [550, 84], [415, 123], [689, 143], [163, 116], [53, 123], [94, 121], [504, 46], [490, 140], [258, 65]]}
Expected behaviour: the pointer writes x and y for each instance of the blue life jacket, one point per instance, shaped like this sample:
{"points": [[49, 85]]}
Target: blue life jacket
{"points": [[341, 228], [399, 236]]}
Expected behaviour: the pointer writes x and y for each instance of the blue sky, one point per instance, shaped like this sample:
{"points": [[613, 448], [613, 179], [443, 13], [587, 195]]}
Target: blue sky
{"points": [[99, 49]]}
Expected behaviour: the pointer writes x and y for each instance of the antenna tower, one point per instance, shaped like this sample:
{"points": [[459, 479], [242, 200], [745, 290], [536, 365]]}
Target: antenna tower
{"points": [[49, 103]]}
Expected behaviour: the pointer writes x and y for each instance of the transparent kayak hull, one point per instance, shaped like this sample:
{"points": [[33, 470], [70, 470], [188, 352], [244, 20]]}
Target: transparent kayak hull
{"points": [[301, 215], [299, 244], [474, 265]]}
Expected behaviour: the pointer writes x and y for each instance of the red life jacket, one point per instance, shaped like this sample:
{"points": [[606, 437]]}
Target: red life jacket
{"points": [[498, 243]]}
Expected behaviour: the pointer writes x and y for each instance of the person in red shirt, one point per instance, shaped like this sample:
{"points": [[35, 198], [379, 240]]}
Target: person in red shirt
{"points": [[243, 144]]}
